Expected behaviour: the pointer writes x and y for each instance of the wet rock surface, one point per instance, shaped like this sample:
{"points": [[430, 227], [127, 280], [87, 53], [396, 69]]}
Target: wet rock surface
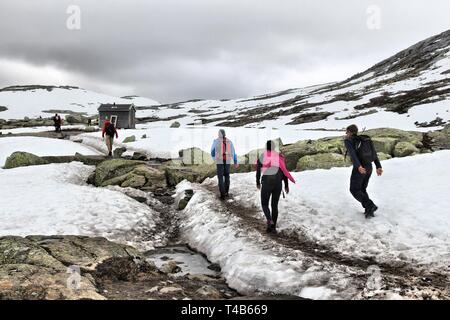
{"points": [[76, 267]]}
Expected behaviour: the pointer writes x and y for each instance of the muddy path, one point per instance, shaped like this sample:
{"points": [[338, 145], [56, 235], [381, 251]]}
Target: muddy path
{"points": [[396, 275]]}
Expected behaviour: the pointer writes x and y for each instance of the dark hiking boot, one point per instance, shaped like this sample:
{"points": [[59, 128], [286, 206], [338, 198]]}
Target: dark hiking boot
{"points": [[370, 212], [222, 197], [270, 226]]}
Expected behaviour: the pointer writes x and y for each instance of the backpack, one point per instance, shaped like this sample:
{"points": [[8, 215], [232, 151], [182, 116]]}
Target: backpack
{"points": [[365, 149], [110, 130]]}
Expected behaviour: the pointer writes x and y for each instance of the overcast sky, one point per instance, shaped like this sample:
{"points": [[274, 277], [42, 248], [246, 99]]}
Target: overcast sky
{"points": [[173, 50]]}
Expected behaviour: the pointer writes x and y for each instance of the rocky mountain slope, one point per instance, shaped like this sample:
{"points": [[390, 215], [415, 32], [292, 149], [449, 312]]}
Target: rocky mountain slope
{"points": [[408, 90]]}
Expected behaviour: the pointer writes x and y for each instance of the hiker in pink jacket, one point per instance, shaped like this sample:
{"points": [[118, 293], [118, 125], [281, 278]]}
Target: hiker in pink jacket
{"points": [[274, 172]]}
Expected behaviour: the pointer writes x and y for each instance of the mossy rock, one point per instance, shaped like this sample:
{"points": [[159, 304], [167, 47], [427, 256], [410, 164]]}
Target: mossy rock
{"points": [[138, 177], [383, 156], [404, 149], [114, 168], [134, 181], [384, 145], [322, 161], [175, 124], [23, 159], [195, 156], [129, 139], [176, 173], [294, 152], [412, 137]]}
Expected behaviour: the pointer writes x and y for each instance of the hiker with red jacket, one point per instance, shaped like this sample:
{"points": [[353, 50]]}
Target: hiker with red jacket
{"points": [[110, 130], [222, 151], [274, 172]]}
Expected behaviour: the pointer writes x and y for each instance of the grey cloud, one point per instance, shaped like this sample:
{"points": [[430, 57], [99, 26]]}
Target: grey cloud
{"points": [[173, 50]]}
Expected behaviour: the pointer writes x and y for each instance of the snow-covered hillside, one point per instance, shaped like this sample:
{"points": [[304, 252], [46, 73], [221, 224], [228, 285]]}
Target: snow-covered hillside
{"points": [[35, 101], [407, 91]]}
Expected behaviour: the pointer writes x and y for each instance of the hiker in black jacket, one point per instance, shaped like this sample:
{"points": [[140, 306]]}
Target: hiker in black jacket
{"points": [[362, 154]]}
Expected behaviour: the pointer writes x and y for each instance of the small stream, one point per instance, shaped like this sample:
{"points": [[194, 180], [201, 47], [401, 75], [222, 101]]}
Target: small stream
{"points": [[190, 261]]}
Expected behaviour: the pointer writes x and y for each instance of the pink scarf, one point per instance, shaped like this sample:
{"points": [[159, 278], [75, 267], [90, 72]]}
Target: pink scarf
{"points": [[274, 159]]}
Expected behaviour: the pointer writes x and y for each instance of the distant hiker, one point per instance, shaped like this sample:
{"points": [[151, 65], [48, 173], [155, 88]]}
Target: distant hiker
{"points": [[89, 122], [57, 122], [363, 153], [222, 151], [110, 130], [274, 172]]}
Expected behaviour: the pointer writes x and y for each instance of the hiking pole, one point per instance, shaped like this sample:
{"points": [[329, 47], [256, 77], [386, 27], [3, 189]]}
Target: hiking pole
{"points": [[283, 194]]}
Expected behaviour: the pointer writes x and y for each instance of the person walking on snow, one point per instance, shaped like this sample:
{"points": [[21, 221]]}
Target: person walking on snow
{"points": [[57, 122], [222, 151], [274, 172], [110, 130], [362, 153]]}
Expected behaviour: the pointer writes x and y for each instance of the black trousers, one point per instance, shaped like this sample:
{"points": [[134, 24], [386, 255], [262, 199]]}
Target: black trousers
{"points": [[273, 192], [223, 173], [358, 186]]}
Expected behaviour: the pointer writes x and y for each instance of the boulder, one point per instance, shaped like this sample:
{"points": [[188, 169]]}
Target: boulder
{"points": [[139, 156], [90, 129], [54, 267], [446, 129], [176, 173], [22, 159], [119, 151], [383, 156], [138, 176], [154, 178], [18, 250], [175, 124], [322, 161], [114, 168], [129, 139], [29, 282], [252, 156], [404, 149], [85, 252], [195, 156], [144, 136], [303, 148], [134, 181], [413, 137], [384, 144], [438, 140], [76, 118]]}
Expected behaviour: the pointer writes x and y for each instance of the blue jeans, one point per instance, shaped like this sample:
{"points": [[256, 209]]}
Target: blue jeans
{"points": [[223, 171]]}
